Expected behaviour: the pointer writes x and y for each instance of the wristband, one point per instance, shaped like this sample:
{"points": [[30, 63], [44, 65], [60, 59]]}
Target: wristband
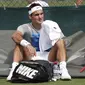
{"points": [[24, 43]]}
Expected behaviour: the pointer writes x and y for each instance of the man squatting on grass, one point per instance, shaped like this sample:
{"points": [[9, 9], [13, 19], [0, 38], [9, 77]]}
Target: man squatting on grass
{"points": [[50, 37]]}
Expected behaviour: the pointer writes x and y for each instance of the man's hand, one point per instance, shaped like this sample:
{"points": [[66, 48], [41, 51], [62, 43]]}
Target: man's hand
{"points": [[31, 50]]}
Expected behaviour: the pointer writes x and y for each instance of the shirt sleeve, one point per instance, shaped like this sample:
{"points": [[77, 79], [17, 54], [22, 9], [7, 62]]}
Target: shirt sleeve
{"points": [[20, 28]]}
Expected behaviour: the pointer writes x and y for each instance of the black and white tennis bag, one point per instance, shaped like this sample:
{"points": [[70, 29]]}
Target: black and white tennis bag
{"points": [[32, 71]]}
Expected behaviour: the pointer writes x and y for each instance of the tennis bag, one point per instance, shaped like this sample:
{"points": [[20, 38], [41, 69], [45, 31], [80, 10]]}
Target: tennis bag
{"points": [[32, 71]]}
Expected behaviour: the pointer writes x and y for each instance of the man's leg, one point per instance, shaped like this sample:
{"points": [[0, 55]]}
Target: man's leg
{"points": [[20, 54], [16, 59], [58, 52]]}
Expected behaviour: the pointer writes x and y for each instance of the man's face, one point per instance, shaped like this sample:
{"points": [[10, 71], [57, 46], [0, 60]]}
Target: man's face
{"points": [[37, 17]]}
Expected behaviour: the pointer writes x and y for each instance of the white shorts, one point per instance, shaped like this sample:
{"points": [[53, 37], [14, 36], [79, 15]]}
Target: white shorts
{"points": [[41, 56]]}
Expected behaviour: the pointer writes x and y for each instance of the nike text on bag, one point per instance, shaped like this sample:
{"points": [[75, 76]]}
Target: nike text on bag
{"points": [[32, 71]]}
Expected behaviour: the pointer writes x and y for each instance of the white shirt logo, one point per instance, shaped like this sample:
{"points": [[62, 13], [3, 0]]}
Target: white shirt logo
{"points": [[26, 71]]}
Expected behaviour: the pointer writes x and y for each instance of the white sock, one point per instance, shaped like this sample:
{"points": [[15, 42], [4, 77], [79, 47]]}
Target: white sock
{"points": [[14, 64], [62, 64]]}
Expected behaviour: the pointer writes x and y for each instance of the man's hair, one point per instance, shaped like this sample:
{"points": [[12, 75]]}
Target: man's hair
{"points": [[33, 5]]}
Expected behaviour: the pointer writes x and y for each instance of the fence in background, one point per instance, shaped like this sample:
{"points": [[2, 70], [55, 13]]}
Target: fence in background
{"points": [[24, 3]]}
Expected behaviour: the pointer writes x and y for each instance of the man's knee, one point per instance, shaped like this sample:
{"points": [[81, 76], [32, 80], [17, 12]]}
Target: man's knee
{"points": [[18, 47], [60, 43]]}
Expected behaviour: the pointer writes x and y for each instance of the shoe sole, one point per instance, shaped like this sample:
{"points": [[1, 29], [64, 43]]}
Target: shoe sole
{"points": [[65, 78]]}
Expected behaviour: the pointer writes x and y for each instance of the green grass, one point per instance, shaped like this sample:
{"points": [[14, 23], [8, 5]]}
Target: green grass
{"points": [[76, 81]]}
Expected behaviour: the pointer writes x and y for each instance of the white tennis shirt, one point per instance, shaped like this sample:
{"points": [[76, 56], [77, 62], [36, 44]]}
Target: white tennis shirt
{"points": [[49, 35]]}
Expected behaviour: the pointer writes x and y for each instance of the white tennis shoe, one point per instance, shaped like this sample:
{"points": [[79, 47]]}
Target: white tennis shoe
{"points": [[10, 75], [64, 74]]}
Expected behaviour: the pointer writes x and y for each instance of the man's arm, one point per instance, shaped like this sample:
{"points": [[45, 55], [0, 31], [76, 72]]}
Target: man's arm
{"points": [[17, 37]]}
